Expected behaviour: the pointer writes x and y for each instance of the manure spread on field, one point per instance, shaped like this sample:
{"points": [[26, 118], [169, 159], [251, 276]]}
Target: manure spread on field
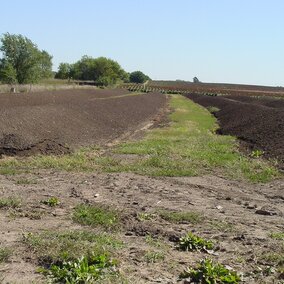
{"points": [[60, 121], [257, 122]]}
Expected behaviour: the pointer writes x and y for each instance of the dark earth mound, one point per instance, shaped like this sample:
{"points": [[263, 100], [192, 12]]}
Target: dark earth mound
{"points": [[257, 122], [56, 122]]}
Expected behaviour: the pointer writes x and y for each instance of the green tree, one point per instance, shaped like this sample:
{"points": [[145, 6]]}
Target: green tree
{"points": [[8, 74], [138, 77], [64, 71], [103, 71], [23, 58]]}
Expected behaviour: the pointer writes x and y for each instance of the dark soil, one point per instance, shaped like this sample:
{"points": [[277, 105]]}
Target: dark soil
{"points": [[57, 122], [257, 122]]}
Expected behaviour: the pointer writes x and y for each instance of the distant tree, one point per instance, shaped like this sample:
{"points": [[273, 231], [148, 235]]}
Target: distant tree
{"points": [[196, 80], [22, 61], [103, 71], [108, 72], [138, 77], [64, 71]]}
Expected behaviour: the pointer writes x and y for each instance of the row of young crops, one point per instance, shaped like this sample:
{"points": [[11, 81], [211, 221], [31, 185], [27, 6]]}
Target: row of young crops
{"points": [[164, 90]]}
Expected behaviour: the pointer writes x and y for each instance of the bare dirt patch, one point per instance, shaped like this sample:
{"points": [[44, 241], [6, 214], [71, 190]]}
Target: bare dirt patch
{"points": [[56, 122], [230, 211]]}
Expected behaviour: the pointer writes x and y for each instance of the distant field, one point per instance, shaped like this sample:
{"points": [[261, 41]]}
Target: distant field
{"points": [[215, 88]]}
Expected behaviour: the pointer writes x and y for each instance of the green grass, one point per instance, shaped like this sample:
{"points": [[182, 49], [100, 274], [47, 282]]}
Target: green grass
{"points": [[5, 253], [9, 202], [187, 147], [154, 256], [277, 236], [52, 247], [181, 217], [94, 216]]}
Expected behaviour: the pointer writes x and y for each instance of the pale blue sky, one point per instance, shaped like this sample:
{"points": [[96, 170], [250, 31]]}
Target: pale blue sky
{"points": [[237, 41]]}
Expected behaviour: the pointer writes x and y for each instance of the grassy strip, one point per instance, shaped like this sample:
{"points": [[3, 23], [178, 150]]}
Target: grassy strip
{"points": [[187, 147]]}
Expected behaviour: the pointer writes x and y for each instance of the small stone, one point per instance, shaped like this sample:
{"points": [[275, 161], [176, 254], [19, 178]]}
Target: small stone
{"points": [[96, 195], [251, 206], [268, 211]]}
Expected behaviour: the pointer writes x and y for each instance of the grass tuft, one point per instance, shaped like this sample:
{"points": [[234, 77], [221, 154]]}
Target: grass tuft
{"points": [[181, 217], [5, 253], [92, 215], [9, 202]]}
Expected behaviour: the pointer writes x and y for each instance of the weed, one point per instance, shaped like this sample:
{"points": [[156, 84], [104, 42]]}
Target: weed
{"points": [[141, 216], [51, 202], [208, 272], [5, 253], [256, 154], [181, 217], [86, 269], [277, 236], [192, 242], [92, 215], [154, 256], [10, 202]]}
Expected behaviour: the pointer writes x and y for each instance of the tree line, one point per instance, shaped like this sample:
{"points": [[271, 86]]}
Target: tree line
{"points": [[23, 62]]}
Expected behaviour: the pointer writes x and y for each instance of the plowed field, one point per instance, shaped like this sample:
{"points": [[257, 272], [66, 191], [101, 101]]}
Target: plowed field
{"points": [[55, 122]]}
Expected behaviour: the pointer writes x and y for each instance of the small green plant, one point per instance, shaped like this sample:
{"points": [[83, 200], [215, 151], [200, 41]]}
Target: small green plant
{"points": [[154, 256], [208, 272], [92, 215], [145, 216], [26, 181], [181, 217], [86, 269], [5, 253], [52, 201], [213, 109], [10, 202], [256, 154], [277, 236], [193, 242]]}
